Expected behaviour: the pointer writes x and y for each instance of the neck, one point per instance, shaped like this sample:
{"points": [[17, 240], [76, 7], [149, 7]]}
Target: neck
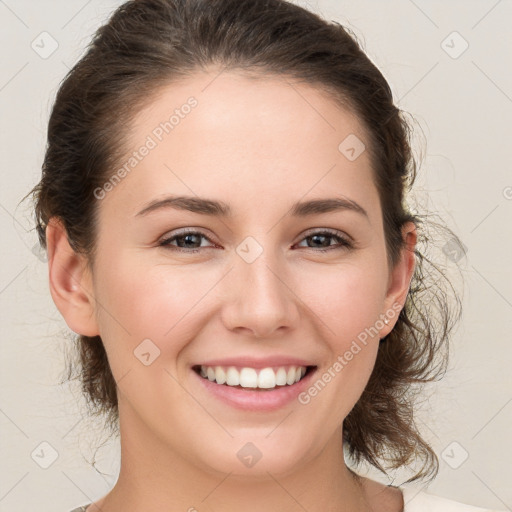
{"points": [[156, 477]]}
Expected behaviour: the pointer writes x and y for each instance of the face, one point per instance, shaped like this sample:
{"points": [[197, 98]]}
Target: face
{"points": [[265, 284]]}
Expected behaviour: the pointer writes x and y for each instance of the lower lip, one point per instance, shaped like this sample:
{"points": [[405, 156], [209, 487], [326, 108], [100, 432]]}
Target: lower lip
{"points": [[264, 400]]}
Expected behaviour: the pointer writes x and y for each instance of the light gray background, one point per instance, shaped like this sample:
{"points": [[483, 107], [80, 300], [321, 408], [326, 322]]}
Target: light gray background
{"points": [[463, 107]]}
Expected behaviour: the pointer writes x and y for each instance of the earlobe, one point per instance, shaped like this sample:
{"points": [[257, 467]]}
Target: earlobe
{"points": [[70, 281], [400, 277]]}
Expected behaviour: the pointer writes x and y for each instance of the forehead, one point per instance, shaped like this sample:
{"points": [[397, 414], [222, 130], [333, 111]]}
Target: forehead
{"points": [[217, 133], [232, 104]]}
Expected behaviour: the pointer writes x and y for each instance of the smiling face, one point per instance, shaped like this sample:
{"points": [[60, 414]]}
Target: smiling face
{"points": [[253, 285]]}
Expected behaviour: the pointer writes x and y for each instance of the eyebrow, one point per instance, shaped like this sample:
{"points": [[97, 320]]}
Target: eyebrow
{"points": [[220, 209]]}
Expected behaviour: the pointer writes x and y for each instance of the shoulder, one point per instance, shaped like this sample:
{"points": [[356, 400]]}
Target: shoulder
{"points": [[420, 501]]}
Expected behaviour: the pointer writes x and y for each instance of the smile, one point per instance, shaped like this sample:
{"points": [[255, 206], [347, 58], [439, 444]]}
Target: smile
{"points": [[255, 378]]}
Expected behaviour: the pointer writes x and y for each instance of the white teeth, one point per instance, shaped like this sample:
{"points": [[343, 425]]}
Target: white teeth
{"points": [[266, 378], [248, 378], [220, 375], [232, 377], [281, 377], [290, 377]]}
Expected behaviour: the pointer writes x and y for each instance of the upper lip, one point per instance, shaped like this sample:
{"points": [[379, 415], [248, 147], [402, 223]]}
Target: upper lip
{"points": [[255, 362]]}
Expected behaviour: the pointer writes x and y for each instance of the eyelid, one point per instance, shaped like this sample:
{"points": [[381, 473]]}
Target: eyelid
{"points": [[331, 231], [186, 230], [170, 236], [346, 242]]}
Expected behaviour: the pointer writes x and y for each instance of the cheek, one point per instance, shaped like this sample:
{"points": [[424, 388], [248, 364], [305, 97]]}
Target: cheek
{"points": [[348, 299], [159, 302], [348, 303]]}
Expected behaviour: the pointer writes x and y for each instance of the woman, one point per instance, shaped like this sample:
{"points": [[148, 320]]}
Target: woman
{"points": [[223, 205]]}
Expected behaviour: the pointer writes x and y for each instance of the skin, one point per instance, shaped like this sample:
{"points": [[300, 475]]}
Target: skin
{"points": [[259, 145]]}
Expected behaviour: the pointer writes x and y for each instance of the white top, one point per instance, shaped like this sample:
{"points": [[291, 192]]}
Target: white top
{"points": [[420, 501], [414, 501]]}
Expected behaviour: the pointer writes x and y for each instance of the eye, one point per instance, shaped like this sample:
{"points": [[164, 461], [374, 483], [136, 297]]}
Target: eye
{"points": [[323, 237], [185, 240]]}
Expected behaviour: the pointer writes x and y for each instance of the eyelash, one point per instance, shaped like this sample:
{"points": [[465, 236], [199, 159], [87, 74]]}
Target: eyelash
{"points": [[344, 243]]}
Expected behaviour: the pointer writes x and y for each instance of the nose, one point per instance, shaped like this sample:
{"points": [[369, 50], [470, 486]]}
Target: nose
{"points": [[260, 301]]}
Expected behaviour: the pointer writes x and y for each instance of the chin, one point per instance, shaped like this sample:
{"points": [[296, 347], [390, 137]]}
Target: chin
{"points": [[254, 456]]}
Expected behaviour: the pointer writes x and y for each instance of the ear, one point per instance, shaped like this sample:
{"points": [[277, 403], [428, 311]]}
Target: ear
{"points": [[400, 279], [70, 281]]}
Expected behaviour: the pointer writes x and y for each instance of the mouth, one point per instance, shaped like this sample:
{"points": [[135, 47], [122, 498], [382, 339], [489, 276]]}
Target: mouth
{"points": [[254, 379]]}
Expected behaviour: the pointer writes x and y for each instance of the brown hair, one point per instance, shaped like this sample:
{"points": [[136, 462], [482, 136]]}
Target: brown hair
{"points": [[147, 44]]}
